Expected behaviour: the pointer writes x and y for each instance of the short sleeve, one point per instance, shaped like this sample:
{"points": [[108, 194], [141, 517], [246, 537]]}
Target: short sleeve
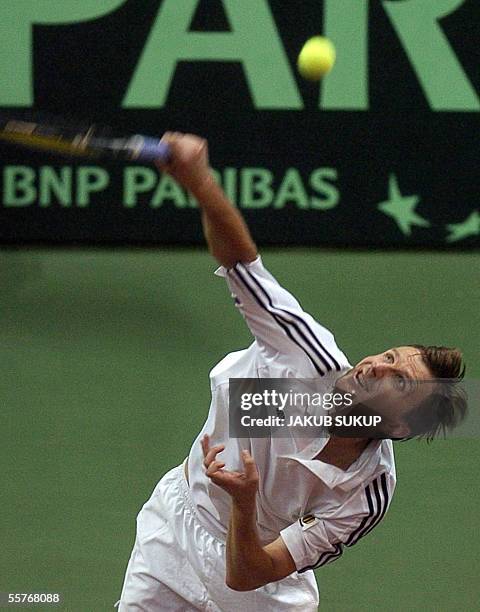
{"points": [[314, 541], [277, 320], [313, 545]]}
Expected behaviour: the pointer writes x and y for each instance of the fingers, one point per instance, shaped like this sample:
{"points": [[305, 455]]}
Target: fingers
{"points": [[188, 161], [214, 467], [211, 464], [171, 139], [186, 144], [205, 442], [251, 472], [162, 164], [210, 454]]}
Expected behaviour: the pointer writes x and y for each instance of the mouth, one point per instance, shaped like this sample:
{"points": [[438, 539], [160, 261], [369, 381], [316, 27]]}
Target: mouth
{"points": [[359, 378]]}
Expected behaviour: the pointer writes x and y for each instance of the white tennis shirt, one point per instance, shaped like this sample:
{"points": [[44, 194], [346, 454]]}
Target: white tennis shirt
{"points": [[316, 507]]}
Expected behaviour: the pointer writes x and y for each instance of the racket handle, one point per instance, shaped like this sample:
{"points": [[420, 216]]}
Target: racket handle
{"points": [[147, 149]]}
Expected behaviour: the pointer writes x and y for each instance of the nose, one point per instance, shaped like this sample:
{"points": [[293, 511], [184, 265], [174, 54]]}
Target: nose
{"points": [[381, 369]]}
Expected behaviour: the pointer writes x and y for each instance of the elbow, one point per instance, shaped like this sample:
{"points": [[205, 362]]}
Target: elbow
{"points": [[242, 584], [236, 586]]}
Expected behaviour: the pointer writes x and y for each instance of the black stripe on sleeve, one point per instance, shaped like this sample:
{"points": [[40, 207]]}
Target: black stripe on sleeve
{"points": [[377, 497], [380, 494], [246, 279], [299, 319], [377, 501], [355, 535], [278, 320], [325, 558]]}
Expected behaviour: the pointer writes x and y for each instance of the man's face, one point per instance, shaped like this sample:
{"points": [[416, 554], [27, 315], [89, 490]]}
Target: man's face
{"points": [[389, 384]]}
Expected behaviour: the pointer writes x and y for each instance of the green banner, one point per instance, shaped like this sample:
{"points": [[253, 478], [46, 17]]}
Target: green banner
{"points": [[382, 152]]}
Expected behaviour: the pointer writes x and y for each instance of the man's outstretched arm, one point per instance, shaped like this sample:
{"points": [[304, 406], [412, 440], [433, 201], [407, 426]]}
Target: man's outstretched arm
{"points": [[227, 235]]}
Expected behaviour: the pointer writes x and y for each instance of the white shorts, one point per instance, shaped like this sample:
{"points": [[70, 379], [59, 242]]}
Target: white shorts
{"points": [[177, 565]]}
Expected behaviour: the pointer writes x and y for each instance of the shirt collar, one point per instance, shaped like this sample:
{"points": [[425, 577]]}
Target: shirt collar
{"points": [[333, 476]]}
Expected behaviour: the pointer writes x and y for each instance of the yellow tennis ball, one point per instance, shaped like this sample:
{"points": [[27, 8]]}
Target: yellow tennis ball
{"points": [[316, 58]]}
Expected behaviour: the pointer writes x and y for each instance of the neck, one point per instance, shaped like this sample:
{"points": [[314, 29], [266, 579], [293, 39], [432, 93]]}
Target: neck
{"points": [[342, 452], [351, 443]]}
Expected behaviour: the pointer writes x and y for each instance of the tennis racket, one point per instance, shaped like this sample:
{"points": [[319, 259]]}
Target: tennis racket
{"points": [[72, 140]]}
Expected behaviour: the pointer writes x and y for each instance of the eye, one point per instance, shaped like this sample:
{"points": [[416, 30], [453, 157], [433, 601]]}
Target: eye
{"points": [[400, 383], [389, 357]]}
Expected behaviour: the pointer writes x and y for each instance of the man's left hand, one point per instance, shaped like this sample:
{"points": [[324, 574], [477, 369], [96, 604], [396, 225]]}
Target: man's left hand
{"points": [[241, 486]]}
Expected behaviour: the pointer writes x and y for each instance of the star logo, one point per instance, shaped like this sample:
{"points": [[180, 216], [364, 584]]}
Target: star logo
{"points": [[469, 227], [402, 208]]}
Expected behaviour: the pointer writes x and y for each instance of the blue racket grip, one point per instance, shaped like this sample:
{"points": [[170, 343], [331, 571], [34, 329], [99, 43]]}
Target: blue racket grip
{"points": [[150, 149]]}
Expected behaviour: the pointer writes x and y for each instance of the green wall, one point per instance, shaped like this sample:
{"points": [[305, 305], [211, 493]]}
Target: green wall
{"points": [[105, 358]]}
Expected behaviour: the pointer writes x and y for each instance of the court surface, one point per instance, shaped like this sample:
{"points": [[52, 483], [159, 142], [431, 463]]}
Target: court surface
{"points": [[105, 358]]}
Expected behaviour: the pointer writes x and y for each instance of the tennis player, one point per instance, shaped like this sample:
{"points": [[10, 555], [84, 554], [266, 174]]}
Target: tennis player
{"points": [[243, 522]]}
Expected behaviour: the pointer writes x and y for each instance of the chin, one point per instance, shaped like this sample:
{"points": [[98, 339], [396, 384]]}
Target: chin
{"points": [[346, 383]]}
